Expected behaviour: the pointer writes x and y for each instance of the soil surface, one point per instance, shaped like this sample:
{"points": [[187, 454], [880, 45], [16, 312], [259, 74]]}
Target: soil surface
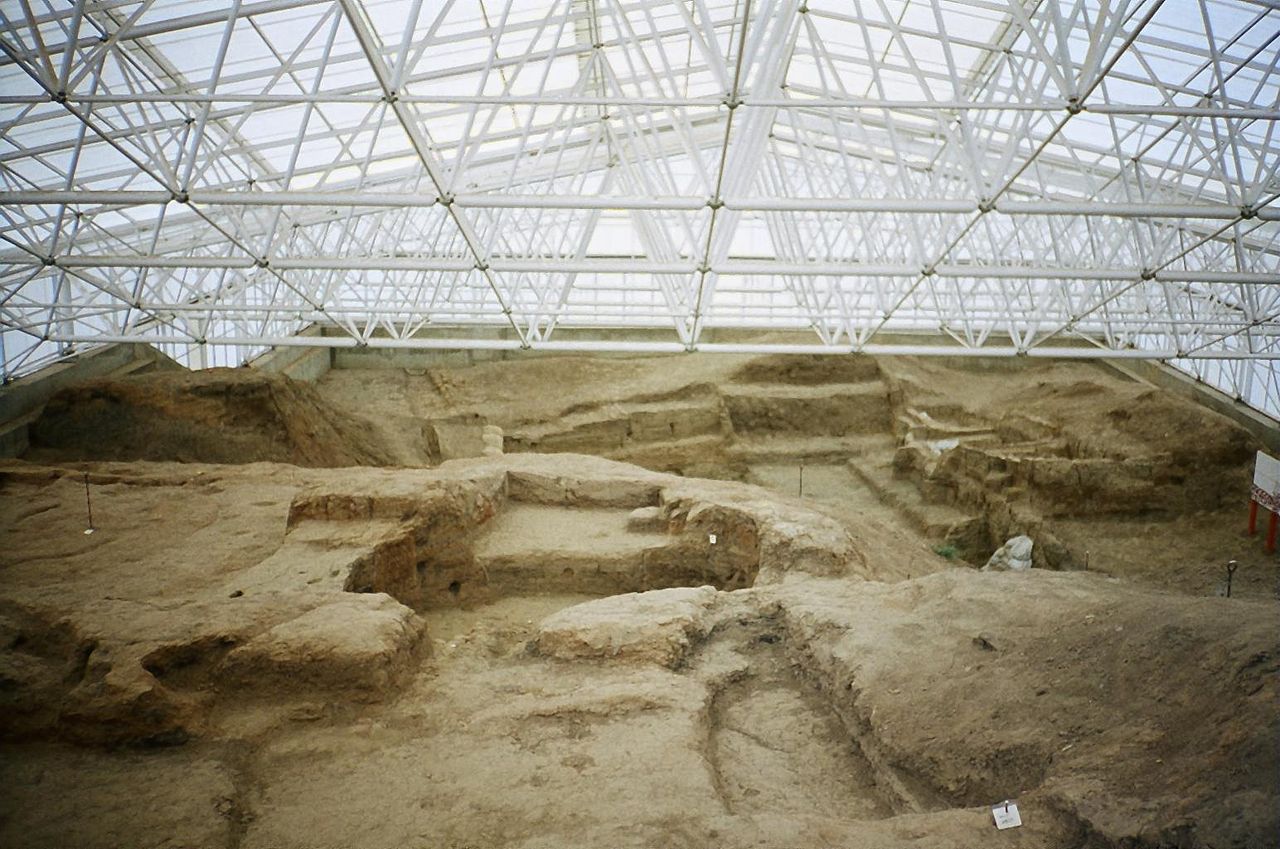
{"points": [[214, 416], [550, 649], [1105, 472]]}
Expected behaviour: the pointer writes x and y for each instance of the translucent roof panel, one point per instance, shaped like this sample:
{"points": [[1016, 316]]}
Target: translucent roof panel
{"points": [[1007, 178]]}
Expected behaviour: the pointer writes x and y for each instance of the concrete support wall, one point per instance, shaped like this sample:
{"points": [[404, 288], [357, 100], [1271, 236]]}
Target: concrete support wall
{"points": [[308, 364]]}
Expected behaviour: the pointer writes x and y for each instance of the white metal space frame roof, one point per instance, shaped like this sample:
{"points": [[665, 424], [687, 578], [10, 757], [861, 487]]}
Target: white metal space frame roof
{"points": [[1002, 177]]}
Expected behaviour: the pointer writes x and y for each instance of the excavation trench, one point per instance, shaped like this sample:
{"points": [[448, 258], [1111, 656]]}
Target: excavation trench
{"points": [[462, 558], [775, 745], [494, 583], [534, 549]]}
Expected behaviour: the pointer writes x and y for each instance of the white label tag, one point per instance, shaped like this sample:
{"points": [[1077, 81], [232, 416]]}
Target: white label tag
{"points": [[713, 539], [1006, 815]]}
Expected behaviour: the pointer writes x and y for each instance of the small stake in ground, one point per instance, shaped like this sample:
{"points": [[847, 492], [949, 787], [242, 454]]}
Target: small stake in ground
{"points": [[1232, 566], [88, 505], [802, 480]]}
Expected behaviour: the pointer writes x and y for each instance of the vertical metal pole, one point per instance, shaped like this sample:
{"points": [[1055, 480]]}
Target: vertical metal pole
{"points": [[88, 505], [802, 479], [1253, 517]]}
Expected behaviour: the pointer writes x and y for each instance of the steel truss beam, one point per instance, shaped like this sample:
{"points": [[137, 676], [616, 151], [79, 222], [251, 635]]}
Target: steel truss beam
{"points": [[629, 266], [636, 347], [1067, 173], [397, 200]]}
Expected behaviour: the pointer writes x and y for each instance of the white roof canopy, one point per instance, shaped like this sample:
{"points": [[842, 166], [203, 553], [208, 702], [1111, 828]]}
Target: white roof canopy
{"points": [[1018, 177]]}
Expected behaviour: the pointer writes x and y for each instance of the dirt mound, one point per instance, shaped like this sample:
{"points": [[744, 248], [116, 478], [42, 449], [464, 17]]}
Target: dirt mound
{"points": [[810, 370], [1130, 450], [1189, 433], [1068, 691], [967, 452], [1076, 389], [213, 416], [1128, 422], [823, 410], [40, 662], [1061, 443], [329, 605]]}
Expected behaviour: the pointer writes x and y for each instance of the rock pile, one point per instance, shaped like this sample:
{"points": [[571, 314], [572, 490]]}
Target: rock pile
{"points": [[1013, 556]]}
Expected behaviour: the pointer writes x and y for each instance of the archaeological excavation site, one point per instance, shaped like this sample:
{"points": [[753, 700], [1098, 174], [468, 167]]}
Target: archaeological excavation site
{"points": [[639, 424], [687, 600]]}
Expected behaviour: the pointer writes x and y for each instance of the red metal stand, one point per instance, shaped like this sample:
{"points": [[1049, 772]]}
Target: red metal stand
{"points": [[1253, 517], [1271, 533]]}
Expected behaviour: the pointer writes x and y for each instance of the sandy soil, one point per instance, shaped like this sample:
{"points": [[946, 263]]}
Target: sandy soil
{"points": [[213, 416], [927, 454], [548, 650], [1081, 457]]}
